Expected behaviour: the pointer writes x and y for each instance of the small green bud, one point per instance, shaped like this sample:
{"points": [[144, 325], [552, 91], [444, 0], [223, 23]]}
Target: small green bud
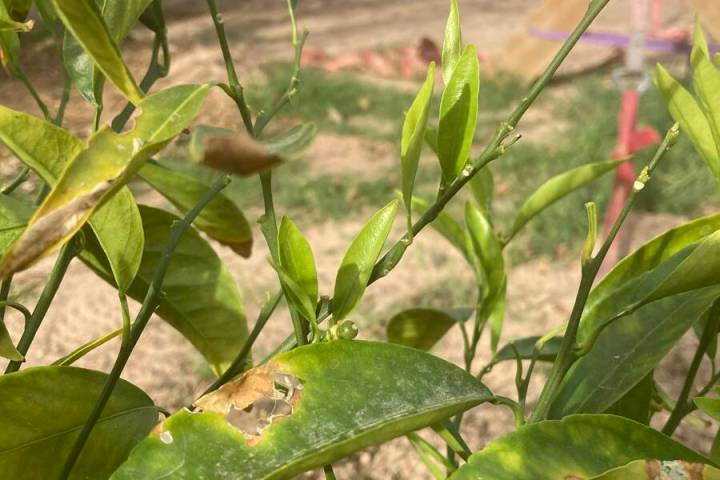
{"points": [[345, 330]]}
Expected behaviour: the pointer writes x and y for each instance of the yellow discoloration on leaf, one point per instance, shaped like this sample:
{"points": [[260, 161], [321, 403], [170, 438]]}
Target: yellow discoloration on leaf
{"points": [[46, 232]]}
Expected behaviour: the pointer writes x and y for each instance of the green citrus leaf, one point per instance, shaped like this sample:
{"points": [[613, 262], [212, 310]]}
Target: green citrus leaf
{"points": [[452, 44], [354, 394], [120, 236], [359, 260], [686, 111], [20, 131], [90, 27], [450, 229], [413, 134], [636, 403], [558, 187], [118, 227], [458, 115], [679, 260], [627, 350], [296, 258], [422, 328], [525, 348], [96, 173], [200, 297], [568, 448], [10, 45], [44, 409], [709, 405], [489, 252], [13, 219], [14, 216], [482, 186], [653, 469], [706, 81], [153, 18], [650, 256], [119, 16], [296, 295], [221, 219]]}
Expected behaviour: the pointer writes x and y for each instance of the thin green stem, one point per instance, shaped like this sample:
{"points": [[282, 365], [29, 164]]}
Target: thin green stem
{"points": [[150, 303], [568, 348], [241, 360], [64, 99], [67, 252], [435, 461], [268, 222], [268, 226], [48, 20], [684, 405], [4, 294], [155, 71], [83, 350], [513, 406], [265, 116], [450, 434], [97, 118], [20, 75], [236, 90], [329, 473], [125, 313], [17, 181], [16, 306], [711, 383]]}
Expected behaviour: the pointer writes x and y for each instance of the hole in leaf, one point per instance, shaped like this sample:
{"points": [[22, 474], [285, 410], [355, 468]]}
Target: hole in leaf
{"points": [[254, 401]]}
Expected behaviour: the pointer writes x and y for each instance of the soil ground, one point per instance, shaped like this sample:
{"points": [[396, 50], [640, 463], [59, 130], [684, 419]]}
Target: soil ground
{"points": [[541, 291]]}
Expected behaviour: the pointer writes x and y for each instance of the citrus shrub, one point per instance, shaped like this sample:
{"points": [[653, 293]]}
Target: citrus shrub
{"points": [[323, 395]]}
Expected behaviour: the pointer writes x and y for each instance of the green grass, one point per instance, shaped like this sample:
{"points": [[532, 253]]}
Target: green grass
{"points": [[585, 110]]}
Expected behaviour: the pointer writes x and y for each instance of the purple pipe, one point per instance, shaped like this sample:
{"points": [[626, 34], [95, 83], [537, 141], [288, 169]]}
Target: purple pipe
{"points": [[617, 40]]}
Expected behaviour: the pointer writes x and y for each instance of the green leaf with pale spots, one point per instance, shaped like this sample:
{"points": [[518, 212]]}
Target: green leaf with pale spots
{"points": [[100, 170], [117, 223], [569, 449], [354, 394], [654, 469]]}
